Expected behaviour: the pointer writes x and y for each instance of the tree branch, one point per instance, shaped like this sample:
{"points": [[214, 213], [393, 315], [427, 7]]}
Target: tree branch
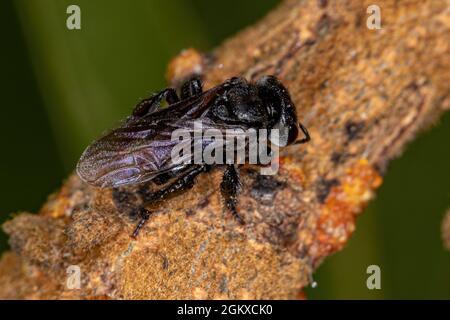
{"points": [[362, 93]]}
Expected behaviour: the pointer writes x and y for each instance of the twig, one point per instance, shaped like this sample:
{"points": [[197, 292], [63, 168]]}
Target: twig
{"points": [[362, 93]]}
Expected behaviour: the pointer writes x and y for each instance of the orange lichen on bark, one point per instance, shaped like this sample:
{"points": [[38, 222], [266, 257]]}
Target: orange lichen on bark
{"points": [[336, 222]]}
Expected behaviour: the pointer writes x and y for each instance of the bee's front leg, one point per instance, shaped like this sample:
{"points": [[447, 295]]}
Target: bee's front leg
{"points": [[230, 188]]}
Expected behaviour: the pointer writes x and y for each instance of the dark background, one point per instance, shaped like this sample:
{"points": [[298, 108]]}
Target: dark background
{"points": [[61, 88]]}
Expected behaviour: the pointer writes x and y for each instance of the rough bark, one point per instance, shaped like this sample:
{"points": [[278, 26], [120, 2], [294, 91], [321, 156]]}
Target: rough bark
{"points": [[362, 93]]}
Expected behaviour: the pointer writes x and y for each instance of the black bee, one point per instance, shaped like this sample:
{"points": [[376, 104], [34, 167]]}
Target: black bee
{"points": [[140, 150]]}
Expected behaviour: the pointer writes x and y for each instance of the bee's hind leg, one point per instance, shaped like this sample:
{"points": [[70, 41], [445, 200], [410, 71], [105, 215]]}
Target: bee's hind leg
{"points": [[185, 181], [153, 103], [144, 214]]}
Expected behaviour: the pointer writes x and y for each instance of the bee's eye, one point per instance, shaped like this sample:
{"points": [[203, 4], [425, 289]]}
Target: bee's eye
{"points": [[286, 134], [292, 133]]}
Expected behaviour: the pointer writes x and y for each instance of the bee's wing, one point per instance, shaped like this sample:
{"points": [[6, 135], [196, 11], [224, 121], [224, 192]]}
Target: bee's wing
{"points": [[133, 153], [141, 148], [140, 151]]}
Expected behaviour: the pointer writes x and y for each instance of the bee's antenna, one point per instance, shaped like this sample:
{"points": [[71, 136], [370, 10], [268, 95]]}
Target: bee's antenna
{"points": [[312, 283], [305, 132]]}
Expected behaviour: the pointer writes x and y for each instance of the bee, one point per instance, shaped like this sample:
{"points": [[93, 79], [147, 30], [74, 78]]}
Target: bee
{"points": [[139, 151]]}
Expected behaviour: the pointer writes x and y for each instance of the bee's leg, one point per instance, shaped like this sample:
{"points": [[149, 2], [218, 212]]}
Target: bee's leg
{"points": [[191, 88], [125, 201], [186, 181], [163, 178], [153, 103], [144, 214], [230, 187]]}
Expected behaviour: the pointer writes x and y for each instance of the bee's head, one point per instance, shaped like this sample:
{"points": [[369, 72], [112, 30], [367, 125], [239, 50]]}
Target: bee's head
{"points": [[281, 110], [263, 105]]}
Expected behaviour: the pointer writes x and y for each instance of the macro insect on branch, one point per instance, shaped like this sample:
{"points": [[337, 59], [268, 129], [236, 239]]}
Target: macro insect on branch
{"points": [[362, 96], [141, 151]]}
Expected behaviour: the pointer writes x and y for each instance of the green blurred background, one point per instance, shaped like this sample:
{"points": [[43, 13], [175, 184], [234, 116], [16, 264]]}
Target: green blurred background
{"points": [[61, 88]]}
